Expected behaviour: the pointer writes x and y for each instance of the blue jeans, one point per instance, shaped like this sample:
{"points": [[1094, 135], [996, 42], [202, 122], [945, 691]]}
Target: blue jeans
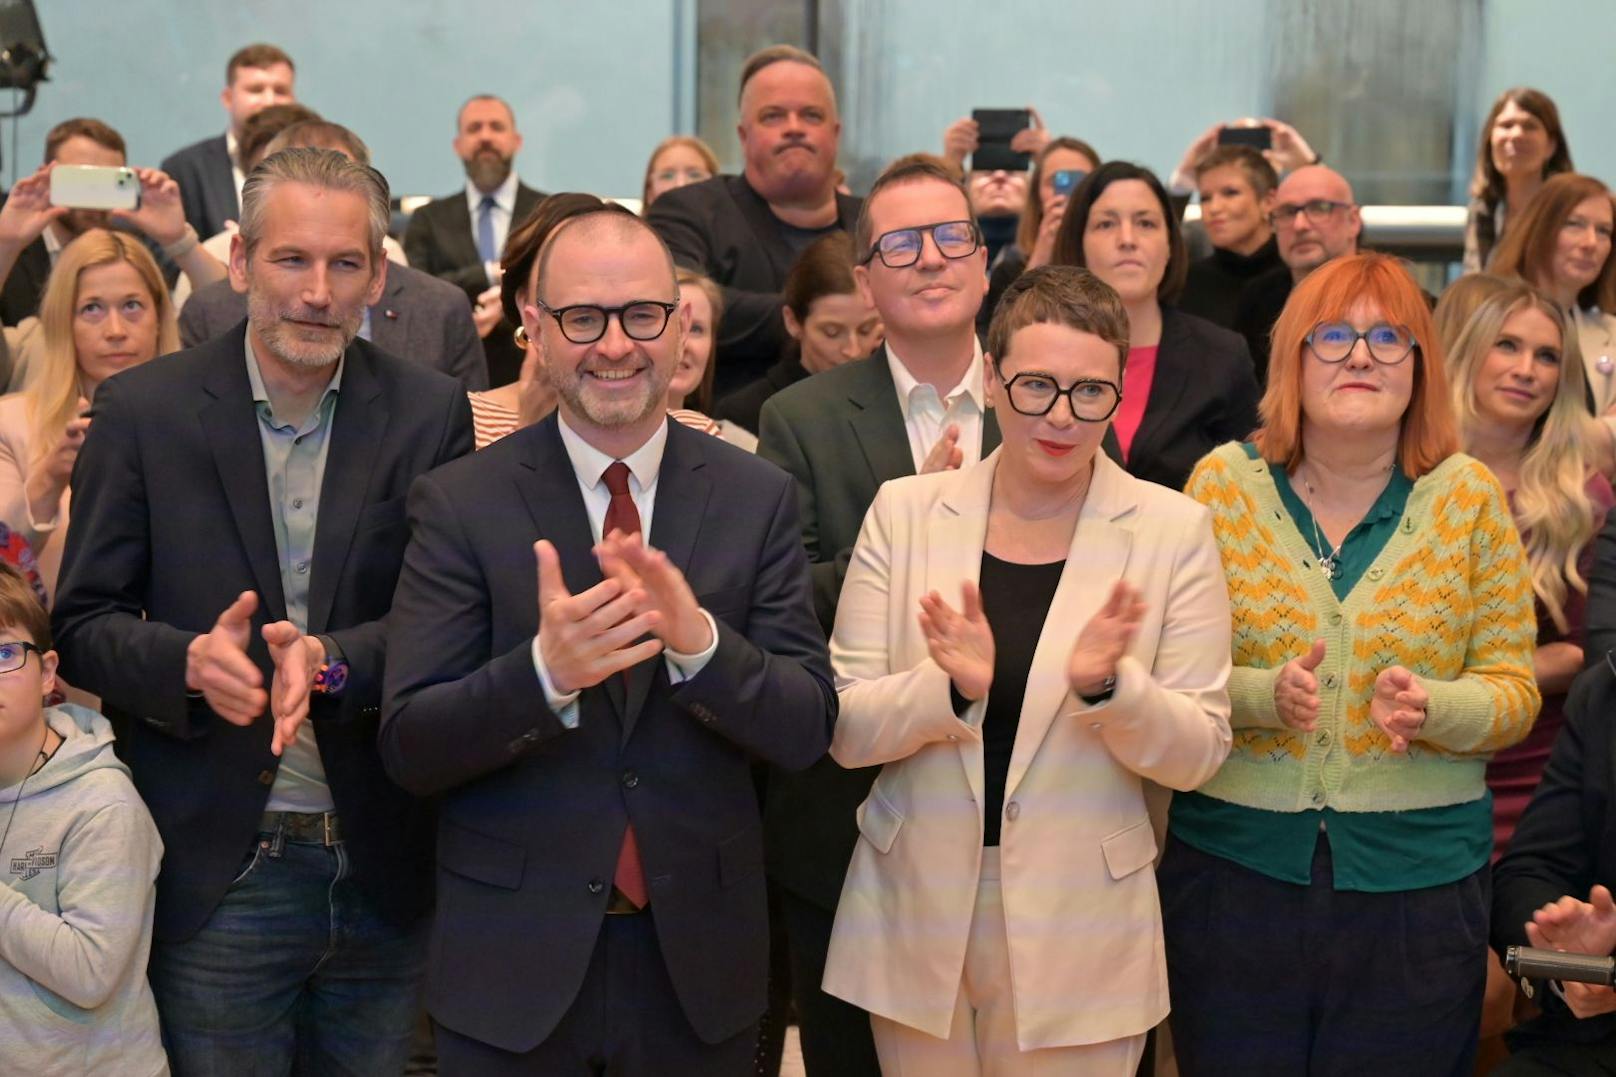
{"points": [[293, 973]]}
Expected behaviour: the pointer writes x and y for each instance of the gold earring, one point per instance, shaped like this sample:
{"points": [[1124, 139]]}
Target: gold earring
{"points": [[521, 337]]}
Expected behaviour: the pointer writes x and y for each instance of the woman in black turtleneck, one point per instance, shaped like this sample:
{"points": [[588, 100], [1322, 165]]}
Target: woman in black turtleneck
{"points": [[1236, 184]]}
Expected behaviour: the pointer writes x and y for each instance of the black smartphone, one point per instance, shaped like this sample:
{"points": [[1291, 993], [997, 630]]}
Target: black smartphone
{"points": [[995, 128], [1065, 180], [1258, 138]]}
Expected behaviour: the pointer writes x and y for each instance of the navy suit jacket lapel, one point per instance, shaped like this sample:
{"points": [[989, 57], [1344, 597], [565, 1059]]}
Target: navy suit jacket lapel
{"points": [[357, 429], [230, 422]]}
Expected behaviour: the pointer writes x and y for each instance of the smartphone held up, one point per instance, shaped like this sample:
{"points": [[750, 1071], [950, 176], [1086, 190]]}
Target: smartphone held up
{"points": [[94, 187]]}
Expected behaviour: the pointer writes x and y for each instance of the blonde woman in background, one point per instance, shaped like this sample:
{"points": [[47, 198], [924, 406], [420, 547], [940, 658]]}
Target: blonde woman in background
{"points": [[105, 309], [676, 161], [692, 381]]}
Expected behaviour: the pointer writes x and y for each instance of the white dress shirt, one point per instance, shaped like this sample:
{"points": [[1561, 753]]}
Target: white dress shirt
{"points": [[589, 466], [926, 416], [504, 212], [233, 147]]}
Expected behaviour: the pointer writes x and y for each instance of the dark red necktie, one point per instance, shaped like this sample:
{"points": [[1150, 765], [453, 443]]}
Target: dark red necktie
{"points": [[622, 515]]}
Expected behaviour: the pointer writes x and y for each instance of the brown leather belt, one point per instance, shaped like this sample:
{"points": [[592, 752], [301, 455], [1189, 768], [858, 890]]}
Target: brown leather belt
{"points": [[304, 828]]}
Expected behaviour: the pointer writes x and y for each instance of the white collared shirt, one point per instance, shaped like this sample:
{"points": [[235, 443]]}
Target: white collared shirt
{"points": [[503, 213], [589, 466], [232, 146], [926, 416]]}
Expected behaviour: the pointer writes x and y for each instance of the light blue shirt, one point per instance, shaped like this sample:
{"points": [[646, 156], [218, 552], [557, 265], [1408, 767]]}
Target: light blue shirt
{"points": [[294, 464], [589, 466]]}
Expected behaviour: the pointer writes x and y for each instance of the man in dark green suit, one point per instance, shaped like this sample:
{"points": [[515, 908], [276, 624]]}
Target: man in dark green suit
{"points": [[915, 405]]}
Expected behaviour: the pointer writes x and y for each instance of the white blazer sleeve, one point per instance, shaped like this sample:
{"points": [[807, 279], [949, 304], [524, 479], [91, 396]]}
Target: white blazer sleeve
{"points": [[885, 715], [1170, 722]]}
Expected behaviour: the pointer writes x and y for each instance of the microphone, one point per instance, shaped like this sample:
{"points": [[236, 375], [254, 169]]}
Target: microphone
{"points": [[1528, 963]]}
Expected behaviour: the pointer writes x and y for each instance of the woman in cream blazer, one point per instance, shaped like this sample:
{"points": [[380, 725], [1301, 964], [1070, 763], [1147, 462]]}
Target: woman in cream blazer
{"points": [[1043, 951]]}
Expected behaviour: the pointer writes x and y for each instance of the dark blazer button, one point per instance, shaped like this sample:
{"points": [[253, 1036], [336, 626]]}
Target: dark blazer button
{"points": [[596, 886], [266, 777], [630, 779]]}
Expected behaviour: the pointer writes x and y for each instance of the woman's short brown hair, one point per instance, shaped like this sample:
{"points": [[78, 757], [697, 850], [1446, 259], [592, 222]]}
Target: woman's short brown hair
{"points": [[1527, 249], [825, 267], [1429, 434], [1059, 295]]}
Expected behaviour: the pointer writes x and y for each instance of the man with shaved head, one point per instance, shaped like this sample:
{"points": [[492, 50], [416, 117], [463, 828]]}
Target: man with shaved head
{"points": [[1315, 218], [746, 231], [590, 741]]}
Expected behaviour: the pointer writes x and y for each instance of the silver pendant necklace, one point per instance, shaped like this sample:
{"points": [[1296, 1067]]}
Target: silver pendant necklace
{"points": [[1327, 562]]}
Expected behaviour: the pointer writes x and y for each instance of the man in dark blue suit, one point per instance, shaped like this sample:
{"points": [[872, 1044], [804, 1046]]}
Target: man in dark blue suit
{"points": [[263, 474], [209, 172], [600, 882]]}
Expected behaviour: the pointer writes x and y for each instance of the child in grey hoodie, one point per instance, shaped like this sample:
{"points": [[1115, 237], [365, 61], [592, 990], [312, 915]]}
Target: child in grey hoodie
{"points": [[78, 871]]}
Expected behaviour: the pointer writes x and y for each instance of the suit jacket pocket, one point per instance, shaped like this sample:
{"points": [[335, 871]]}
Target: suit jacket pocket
{"points": [[382, 514], [879, 821], [1129, 849], [477, 856]]}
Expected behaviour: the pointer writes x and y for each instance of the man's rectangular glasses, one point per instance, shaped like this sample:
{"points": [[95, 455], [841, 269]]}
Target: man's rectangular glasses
{"points": [[901, 247], [585, 323], [1319, 209]]}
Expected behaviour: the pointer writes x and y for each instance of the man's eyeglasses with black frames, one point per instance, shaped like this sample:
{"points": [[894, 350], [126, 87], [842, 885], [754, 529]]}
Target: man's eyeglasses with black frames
{"points": [[585, 323], [901, 247]]}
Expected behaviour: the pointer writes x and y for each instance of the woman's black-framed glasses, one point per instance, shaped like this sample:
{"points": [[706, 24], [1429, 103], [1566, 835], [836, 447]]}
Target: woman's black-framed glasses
{"points": [[901, 247], [1332, 342], [585, 323], [14, 654], [1092, 400]]}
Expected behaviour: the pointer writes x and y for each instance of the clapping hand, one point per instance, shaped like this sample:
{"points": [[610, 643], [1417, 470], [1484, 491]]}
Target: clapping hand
{"points": [[646, 571], [587, 637], [960, 642], [216, 664], [1398, 706], [297, 658], [1296, 690], [1105, 639], [1579, 927], [945, 455]]}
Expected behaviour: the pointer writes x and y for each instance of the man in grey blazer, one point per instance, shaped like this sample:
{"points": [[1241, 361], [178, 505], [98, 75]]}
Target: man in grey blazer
{"points": [[419, 317], [915, 405]]}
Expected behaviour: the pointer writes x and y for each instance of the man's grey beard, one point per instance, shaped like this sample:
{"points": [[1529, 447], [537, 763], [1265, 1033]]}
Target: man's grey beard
{"points": [[279, 339], [488, 171]]}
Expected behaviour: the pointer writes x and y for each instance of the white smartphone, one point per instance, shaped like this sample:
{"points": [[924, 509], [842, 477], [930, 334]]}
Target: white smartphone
{"points": [[94, 187]]}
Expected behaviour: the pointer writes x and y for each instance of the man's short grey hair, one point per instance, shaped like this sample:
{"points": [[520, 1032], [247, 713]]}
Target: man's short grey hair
{"points": [[325, 169]]}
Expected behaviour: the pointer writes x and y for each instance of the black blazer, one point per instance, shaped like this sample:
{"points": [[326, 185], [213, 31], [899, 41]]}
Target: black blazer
{"points": [[841, 435], [1204, 393], [1565, 843], [418, 317], [532, 813], [207, 184], [723, 228], [25, 284], [1600, 618], [441, 240], [171, 520]]}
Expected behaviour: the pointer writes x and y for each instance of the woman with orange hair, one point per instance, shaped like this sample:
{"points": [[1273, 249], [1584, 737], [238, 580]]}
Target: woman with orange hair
{"points": [[1325, 894]]}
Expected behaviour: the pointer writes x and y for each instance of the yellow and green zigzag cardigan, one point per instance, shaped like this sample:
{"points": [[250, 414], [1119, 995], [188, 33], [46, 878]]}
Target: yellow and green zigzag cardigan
{"points": [[1448, 598]]}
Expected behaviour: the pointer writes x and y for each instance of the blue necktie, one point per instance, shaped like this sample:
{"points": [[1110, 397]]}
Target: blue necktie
{"points": [[485, 229]]}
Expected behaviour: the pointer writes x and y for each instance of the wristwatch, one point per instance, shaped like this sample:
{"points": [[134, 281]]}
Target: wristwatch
{"points": [[332, 677], [1108, 688]]}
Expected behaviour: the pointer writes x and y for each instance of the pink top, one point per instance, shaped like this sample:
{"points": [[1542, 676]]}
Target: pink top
{"points": [[1136, 379]]}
